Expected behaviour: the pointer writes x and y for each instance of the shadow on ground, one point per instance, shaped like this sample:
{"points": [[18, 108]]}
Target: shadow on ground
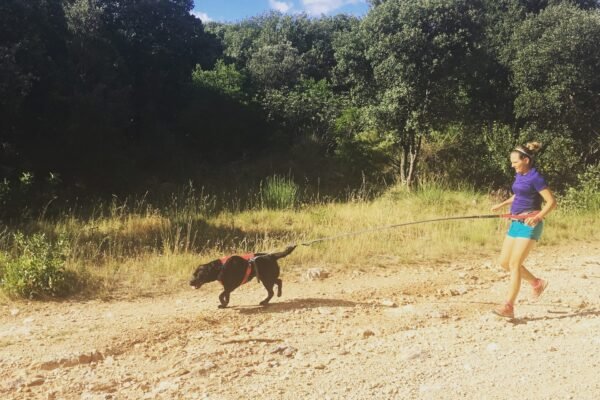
{"points": [[563, 315], [295, 304]]}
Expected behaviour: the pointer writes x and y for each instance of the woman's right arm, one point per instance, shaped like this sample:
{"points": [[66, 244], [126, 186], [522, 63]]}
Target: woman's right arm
{"points": [[506, 202]]}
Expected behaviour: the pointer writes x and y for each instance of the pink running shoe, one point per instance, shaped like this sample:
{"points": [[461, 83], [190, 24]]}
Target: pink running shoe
{"points": [[538, 289], [505, 311]]}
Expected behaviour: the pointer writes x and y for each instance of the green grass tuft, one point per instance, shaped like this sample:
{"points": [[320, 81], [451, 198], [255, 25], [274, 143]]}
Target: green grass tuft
{"points": [[279, 193]]}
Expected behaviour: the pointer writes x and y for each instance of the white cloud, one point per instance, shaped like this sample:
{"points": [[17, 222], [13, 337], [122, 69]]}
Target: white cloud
{"points": [[202, 16], [318, 7], [280, 6]]}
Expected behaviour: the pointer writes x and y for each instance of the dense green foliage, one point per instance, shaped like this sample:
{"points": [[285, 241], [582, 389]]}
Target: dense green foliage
{"points": [[555, 62], [585, 196], [37, 268], [107, 96]]}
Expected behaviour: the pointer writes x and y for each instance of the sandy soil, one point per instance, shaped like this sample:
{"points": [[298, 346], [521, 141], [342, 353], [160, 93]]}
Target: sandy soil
{"points": [[383, 331]]}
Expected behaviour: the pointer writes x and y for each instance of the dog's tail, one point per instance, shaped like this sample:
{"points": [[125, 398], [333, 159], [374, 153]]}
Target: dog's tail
{"points": [[281, 254]]}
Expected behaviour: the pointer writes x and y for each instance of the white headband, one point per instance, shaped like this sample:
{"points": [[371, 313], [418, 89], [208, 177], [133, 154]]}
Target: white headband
{"points": [[523, 152]]}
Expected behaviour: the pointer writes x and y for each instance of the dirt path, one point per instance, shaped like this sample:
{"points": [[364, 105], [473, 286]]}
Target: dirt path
{"points": [[385, 331]]}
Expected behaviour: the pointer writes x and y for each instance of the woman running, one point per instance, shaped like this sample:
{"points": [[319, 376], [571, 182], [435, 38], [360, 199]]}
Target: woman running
{"points": [[530, 191]]}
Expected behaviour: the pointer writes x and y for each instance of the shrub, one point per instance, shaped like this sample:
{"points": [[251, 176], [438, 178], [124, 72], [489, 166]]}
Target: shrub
{"points": [[479, 157], [3, 264], [37, 268], [360, 150], [559, 160], [586, 194]]}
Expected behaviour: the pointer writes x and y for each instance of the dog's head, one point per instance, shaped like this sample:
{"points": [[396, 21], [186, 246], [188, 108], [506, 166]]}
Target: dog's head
{"points": [[205, 273]]}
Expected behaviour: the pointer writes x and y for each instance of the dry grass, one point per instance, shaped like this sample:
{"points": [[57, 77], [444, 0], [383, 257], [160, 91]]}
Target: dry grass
{"points": [[147, 251]]}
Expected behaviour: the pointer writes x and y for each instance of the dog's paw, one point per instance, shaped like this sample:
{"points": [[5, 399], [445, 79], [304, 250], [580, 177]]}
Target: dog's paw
{"points": [[264, 303], [222, 305]]}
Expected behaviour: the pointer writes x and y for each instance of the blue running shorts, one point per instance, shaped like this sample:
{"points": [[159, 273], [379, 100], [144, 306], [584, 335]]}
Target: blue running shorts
{"points": [[518, 229]]}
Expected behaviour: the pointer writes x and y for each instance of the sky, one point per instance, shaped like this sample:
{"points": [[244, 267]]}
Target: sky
{"points": [[236, 10]]}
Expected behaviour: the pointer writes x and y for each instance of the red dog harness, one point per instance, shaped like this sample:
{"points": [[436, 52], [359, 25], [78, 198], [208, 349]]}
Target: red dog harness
{"points": [[247, 257]]}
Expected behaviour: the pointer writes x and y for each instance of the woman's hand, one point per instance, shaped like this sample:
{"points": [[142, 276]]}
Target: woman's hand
{"points": [[532, 221], [506, 202], [498, 206]]}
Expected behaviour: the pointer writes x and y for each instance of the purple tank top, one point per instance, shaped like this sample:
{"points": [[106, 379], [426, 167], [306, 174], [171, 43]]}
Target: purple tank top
{"points": [[526, 189]]}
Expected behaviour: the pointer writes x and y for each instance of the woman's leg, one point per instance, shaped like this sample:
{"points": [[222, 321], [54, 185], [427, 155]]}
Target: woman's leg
{"points": [[519, 252], [505, 255]]}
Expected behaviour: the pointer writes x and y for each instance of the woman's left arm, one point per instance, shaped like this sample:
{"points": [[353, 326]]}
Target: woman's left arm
{"points": [[550, 204]]}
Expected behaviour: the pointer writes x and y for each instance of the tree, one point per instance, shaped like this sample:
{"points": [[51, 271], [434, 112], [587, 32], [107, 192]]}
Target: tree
{"points": [[304, 42], [352, 72], [33, 76], [87, 82], [554, 59], [275, 66], [314, 39], [306, 112], [160, 44], [422, 55], [237, 39], [536, 6], [224, 79]]}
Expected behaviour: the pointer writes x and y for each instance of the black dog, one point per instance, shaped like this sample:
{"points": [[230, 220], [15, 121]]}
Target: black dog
{"points": [[236, 270]]}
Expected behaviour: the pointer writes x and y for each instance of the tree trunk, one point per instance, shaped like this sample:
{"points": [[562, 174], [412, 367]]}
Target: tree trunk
{"points": [[408, 160], [402, 169]]}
